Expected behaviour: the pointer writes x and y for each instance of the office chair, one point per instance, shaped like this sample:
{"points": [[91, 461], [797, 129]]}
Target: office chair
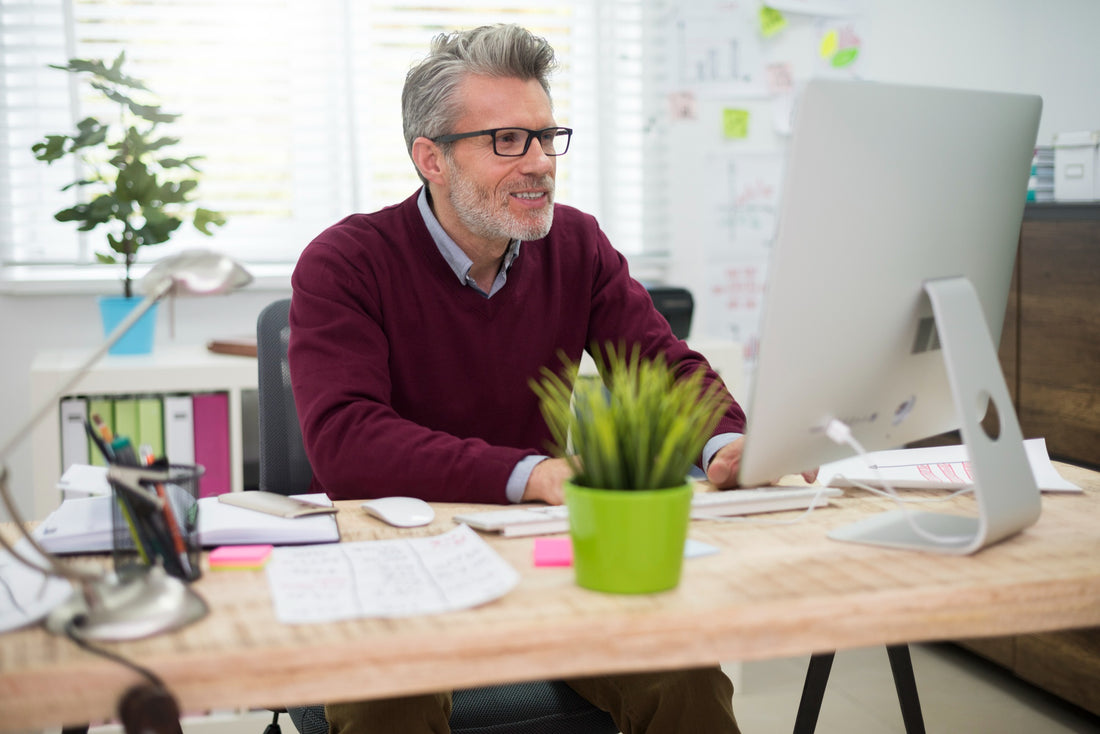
{"points": [[544, 707]]}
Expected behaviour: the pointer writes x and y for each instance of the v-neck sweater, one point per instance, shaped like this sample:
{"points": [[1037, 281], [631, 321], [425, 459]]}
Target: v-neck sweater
{"points": [[408, 382]]}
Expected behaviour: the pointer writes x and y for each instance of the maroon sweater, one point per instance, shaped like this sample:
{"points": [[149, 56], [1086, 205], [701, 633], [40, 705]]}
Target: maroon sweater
{"points": [[408, 382]]}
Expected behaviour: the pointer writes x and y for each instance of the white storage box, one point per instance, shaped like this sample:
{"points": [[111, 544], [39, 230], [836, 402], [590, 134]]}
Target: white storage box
{"points": [[1077, 166]]}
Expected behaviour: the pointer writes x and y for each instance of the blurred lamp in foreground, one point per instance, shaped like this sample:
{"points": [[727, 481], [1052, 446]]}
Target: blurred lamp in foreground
{"points": [[103, 607]]}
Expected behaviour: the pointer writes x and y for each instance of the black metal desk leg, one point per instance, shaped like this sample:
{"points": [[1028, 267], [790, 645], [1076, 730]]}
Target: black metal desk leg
{"points": [[813, 691], [901, 664]]}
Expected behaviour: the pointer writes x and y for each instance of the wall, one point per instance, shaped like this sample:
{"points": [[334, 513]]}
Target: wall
{"points": [[1043, 48]]}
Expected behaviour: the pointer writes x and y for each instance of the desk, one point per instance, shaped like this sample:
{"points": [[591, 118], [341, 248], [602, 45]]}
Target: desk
{"points": [[772, 591]]}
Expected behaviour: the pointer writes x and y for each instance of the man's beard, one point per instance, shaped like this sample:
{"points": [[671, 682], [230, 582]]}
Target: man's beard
{"points": [[490, 218]]}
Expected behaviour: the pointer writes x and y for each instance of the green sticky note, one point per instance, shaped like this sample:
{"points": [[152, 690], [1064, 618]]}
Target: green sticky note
{"points": [[735, 123], [844, 57], [771, 21]]}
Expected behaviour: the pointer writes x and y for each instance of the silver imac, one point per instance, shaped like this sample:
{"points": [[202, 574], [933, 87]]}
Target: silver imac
{"points": [[886, 293]]}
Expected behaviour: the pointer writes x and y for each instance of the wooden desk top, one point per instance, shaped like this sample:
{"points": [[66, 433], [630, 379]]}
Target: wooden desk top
{"points": [[772, 591]]}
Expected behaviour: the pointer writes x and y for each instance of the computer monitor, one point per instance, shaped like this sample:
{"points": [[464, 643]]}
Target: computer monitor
{"points": [[886, 292]]}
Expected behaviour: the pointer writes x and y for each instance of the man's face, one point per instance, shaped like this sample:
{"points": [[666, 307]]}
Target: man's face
{"points": [[495, 197]]}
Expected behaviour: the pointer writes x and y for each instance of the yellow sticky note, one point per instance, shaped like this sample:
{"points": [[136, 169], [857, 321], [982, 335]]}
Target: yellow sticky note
{"points": [[735, 123], [829, 43], [771, 21]]}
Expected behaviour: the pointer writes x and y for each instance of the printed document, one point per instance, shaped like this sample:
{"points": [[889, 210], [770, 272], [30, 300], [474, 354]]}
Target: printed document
{"points": [[937, 467]]}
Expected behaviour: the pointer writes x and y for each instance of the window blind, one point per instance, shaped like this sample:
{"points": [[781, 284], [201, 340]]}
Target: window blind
{"points": [[295, 107]]}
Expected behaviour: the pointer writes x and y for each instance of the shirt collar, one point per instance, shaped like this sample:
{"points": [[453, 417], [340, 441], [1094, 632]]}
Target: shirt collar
{"points": [[459, 262]]}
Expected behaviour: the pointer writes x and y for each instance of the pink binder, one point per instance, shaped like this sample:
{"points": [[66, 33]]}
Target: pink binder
{"points": [[212, 442]]}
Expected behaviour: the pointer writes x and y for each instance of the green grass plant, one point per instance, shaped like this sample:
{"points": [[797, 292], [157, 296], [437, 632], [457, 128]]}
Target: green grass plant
{"points": [[641, 427]]}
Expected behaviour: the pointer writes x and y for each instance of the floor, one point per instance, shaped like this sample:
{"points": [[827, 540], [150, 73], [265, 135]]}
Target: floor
{"points": [[959, 694]]}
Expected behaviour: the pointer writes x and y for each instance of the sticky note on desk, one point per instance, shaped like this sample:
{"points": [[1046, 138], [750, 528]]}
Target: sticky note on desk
{"points": [[240, 556], [553, 552]]}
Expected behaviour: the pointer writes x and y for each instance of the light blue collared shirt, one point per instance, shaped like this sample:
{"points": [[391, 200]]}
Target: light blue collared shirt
{"points": [[460, 264], [458, 260]]}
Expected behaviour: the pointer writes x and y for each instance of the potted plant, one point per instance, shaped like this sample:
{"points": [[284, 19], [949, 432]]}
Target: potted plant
{"points": [[630, 440], [136, 187]]}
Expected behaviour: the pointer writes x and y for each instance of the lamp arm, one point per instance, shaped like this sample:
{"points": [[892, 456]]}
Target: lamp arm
{"points": [[160, 291]]}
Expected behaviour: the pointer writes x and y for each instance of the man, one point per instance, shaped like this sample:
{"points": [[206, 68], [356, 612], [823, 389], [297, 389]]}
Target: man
{"points": [[415, 331]]}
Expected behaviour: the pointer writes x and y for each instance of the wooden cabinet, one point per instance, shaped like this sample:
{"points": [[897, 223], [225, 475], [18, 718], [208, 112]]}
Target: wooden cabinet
{"points": [[1050, 346], [1050, 355]]}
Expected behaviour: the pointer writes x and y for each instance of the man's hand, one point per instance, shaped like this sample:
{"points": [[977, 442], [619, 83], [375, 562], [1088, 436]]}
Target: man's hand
{"points": [[545, 482], [723, 468], [722, 471]]}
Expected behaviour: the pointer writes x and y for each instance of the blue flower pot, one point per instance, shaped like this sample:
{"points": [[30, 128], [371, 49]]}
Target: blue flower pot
{"points": [[139, 339]]}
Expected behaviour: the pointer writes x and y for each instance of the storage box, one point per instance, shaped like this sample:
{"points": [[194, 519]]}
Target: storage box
{"points": [[1077, 166]]}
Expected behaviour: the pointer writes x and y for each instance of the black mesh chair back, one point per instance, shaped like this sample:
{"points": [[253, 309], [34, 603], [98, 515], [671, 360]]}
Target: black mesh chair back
{"points": [[543, 707], [284, 468]]}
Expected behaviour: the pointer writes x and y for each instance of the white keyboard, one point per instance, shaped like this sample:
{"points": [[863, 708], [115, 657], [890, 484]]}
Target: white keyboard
{"points": [[548, 520]]}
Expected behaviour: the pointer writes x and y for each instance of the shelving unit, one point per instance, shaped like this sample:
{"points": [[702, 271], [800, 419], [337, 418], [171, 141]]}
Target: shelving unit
{"points": [[172, 369]]}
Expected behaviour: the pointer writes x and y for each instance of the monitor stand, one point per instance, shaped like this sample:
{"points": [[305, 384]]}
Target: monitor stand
{"points": [[1004, 486]]}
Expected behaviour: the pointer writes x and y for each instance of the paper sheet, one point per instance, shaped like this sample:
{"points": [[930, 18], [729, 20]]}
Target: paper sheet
{"points": [[940, 467], [386, 578], [27, 596]]}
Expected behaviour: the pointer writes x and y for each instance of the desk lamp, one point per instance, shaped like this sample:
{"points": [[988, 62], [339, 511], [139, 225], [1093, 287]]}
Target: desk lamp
{"points": [[102, 606]]}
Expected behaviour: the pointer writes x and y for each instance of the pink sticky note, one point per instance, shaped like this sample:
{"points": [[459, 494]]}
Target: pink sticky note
{"points": [[240, 556], [553, 552]]}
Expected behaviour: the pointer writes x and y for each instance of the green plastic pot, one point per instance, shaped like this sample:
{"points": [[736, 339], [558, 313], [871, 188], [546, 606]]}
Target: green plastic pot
{"points": [[628, 541]]}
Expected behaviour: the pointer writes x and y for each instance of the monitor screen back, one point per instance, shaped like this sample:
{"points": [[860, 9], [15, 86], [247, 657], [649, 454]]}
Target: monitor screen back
{"points": [[886, 186]]}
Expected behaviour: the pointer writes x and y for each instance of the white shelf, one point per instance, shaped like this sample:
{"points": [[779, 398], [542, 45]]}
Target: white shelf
{"points": [[169, 369]]}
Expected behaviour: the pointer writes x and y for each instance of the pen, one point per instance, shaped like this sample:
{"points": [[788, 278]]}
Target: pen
{"points": [[97, 439], [124, 452], [103, 428]]}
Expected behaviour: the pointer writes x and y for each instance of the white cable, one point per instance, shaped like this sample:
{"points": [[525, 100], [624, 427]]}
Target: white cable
{"points": [[840, 433]]}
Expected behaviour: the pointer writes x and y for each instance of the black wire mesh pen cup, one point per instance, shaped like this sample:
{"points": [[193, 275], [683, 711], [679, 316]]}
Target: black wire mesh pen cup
{"points": [[155, 517]]}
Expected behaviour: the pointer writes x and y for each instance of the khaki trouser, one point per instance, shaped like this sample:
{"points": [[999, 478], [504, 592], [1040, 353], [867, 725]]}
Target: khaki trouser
{"points": [[672, 702]]}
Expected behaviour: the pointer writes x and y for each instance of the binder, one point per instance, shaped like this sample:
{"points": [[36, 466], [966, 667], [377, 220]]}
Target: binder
{"points": [[104, 408], [126, 419], [151, 424], [74, 438], [179, 429], [211, 416]]}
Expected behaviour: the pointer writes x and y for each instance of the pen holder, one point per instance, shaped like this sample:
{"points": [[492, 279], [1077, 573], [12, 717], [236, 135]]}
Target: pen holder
{"points": [[155, 519]]}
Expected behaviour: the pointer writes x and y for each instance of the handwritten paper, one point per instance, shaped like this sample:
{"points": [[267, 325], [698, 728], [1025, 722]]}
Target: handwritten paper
{"points": [[386, 578]]}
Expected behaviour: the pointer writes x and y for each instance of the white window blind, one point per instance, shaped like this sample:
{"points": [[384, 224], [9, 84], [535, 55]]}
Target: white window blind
{"points": [[295, 107]]}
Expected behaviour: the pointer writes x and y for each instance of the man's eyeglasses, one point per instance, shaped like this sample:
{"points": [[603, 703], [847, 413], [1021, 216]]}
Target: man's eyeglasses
{"points": [[515, 141]]}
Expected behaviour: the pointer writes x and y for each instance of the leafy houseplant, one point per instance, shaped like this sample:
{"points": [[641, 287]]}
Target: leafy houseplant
{"points": [[630, 442], [137, 188]]}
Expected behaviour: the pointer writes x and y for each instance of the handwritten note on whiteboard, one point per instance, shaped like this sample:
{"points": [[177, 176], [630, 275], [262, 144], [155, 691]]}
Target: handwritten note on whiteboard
{"points": [[386, 578]]}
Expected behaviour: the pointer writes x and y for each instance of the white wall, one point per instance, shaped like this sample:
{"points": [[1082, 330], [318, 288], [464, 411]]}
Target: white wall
{"points": [[1049, 48]]}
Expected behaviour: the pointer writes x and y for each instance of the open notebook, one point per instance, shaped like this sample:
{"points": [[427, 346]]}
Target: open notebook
{"points": [[83, 525]]}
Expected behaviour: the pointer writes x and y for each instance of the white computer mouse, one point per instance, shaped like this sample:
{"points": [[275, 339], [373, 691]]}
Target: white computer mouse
{"points": [[401, 512]]}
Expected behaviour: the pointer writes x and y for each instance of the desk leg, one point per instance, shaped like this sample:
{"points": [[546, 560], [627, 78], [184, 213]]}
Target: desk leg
{"points": [[901, 665], [813, 691]]}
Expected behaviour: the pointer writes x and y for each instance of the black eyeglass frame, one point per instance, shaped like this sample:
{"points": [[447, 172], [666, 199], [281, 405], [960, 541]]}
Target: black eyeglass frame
{"points": [[531, 135]]}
